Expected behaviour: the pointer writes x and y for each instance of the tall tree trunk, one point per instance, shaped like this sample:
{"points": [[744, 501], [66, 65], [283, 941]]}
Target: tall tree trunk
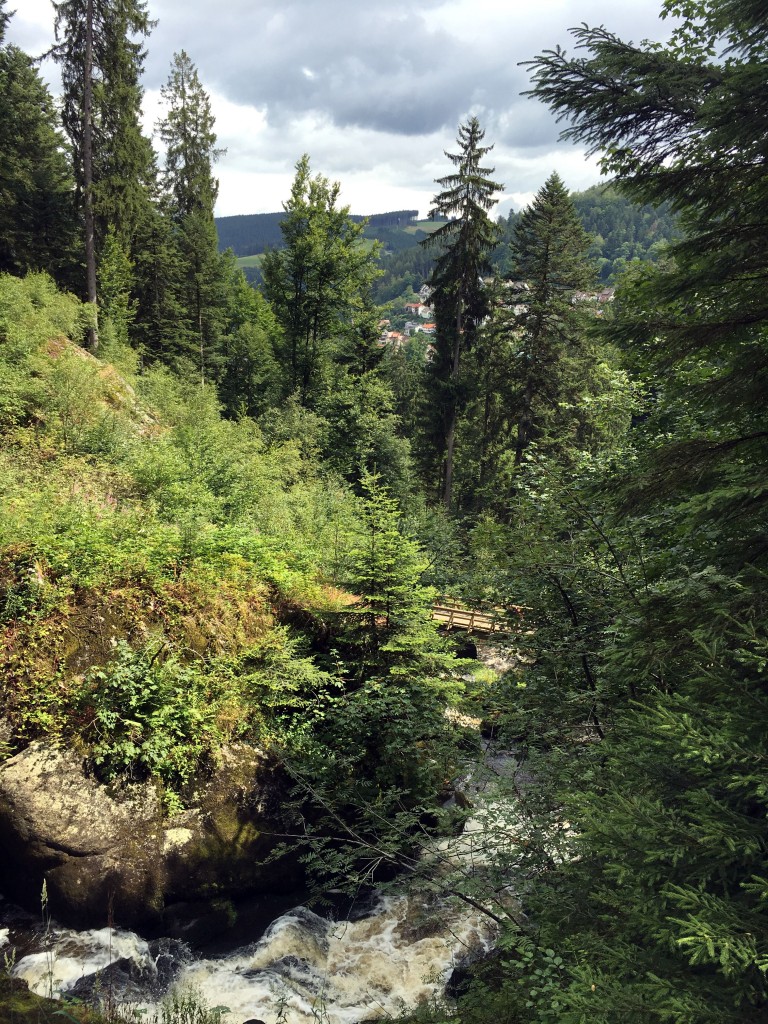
{"points": [[524, 425], [450, 436], [90, 239]]}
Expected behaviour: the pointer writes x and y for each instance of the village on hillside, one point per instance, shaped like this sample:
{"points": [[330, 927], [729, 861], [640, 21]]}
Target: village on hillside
{"points": [[422, 313]]}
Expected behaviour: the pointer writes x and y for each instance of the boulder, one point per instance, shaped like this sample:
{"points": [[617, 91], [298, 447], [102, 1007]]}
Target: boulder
{"points": [[110, 855], [126, 980]]}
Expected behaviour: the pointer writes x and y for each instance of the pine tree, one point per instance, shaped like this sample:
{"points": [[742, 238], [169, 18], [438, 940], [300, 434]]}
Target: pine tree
{"points": [[460, 299], [37, 217], [190, 191], [101, 66]]}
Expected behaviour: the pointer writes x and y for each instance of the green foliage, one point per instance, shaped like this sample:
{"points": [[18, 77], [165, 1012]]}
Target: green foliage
{"points": [[190, 192], [144, 716], [180, 1006], [249, 376], [37, 224], [371, 768], [32, 313], [553, 356], [657, 561], [363, 432], [115, 279], [122, 164], [623, 231], [396, 635], [464, 245], [317, 283]]}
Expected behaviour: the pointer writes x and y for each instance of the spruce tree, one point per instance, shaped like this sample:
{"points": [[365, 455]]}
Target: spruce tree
{"points": [[549, 328], [459, 296], [190, 192], [37, 216], [101, 65]]}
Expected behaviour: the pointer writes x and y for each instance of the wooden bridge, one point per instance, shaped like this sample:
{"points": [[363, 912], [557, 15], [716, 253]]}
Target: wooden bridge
{"points": [[474, 620]]}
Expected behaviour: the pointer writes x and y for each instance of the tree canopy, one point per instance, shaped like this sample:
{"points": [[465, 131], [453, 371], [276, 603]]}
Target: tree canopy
{"points": [[460, 298]]}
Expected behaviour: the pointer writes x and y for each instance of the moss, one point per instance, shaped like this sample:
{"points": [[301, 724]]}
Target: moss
{"points": [[235, 852], [20, 1006]]}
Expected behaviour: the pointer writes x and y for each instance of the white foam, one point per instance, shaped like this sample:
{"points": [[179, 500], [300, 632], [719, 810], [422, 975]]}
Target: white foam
{"points": [[69, 955], [355, 970]]}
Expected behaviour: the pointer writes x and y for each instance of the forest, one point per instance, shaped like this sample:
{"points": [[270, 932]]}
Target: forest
{"points": [[228, 512]]}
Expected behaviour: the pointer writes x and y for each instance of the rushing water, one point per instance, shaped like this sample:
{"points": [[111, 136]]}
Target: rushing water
{"points": [[304, 967]]}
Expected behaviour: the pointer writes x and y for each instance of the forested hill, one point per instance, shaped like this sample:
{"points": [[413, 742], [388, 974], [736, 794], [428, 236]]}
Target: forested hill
{"points": [[622, 231], [249, 234], [253, 233], [225, 514]]}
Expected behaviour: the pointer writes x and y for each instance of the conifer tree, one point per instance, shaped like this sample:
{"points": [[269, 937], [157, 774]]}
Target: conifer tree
{"points": [[37, 217], [549, 334], [101, 65], [460, 299], [190, 192], [396, 632]]}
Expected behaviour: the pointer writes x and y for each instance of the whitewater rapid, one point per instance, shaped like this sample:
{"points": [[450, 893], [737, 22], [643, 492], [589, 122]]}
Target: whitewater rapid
{"points": [[303, 967]]}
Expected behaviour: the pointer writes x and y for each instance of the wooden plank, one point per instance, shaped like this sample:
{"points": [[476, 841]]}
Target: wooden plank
{"points": [[471, 619]]}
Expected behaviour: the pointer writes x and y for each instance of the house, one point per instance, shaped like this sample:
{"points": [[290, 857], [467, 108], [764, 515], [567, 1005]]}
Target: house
{"points": [[392, 339]]}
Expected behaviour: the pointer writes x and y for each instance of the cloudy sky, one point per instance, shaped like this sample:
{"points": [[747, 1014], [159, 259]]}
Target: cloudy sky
{"points": [[373, 90]]}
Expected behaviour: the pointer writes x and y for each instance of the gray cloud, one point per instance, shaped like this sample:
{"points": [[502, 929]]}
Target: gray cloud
{"points": [[372, 89], [385, 65]]}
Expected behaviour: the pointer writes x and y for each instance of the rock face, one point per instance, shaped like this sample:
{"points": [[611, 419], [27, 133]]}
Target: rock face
{"points": [[116, 857]]}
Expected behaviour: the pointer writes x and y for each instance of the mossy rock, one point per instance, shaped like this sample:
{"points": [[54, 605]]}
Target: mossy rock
{"points": [[114, 857], [20, 1006]]}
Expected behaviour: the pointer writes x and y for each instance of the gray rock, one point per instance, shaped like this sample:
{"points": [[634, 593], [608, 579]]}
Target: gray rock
{"points": [[113, 856]]}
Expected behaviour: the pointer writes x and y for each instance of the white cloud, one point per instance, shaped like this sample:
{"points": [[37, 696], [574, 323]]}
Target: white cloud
{"points": [[372, 91]]}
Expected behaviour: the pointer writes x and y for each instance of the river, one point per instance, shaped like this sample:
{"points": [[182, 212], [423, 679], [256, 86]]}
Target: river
{"points": [[398, 950]]}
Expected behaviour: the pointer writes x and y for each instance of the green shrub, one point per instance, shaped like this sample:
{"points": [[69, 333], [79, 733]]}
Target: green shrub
{"points": [[148, 716]]}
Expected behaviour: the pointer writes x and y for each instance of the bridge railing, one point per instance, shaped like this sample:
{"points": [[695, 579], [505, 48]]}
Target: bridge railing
{"points": [[454, 615]]}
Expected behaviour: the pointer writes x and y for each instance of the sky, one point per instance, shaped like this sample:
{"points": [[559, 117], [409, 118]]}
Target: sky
{"points": [[372, 90]]}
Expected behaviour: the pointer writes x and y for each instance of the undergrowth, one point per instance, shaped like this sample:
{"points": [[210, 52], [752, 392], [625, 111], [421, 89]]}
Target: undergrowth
{"points": [[145, 546]]}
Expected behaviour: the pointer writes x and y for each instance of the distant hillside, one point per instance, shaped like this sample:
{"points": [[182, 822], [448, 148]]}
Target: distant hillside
{"points": [[397, 231], [250, 233], [621, 230], [253, 233]]}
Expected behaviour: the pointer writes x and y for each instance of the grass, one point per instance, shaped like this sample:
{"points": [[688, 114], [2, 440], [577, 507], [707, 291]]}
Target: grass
{"points": [[250, 261], [424, 225]]}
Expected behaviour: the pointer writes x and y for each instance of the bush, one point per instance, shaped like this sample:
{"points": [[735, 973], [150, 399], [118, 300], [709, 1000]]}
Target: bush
{"points": [[148, 716]]}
